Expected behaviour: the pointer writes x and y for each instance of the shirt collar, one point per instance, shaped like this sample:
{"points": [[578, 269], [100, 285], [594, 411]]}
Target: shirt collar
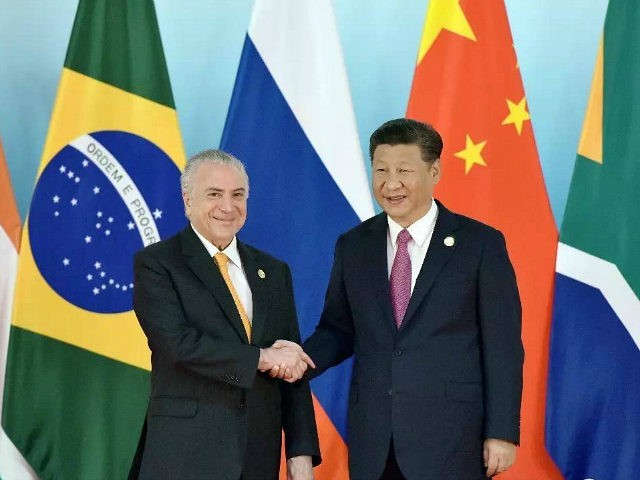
{"points": [[231, 251], [419, 230]]}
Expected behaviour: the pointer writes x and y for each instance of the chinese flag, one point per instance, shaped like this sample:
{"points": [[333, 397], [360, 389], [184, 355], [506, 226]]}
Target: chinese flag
{"points": [[468, 86]]}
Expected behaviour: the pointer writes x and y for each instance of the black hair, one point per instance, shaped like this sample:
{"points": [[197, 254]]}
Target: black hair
{"points": [[405, 131]]}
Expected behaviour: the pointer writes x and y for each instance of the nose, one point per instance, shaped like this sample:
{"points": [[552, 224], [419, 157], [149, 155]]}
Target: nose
{"points": [[393, 181], [225, 204]]}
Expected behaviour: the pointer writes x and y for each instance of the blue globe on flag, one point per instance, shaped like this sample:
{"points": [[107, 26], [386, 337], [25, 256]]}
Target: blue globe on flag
{"points": [[100, 199]]}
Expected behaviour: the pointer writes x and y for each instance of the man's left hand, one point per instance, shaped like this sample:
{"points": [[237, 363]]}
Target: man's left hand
{"points": [[498, 456], [300, 468]]}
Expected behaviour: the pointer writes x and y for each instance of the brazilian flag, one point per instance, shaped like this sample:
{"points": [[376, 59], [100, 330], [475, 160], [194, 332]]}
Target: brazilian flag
{"points": [[593, 407], [108, 185]]}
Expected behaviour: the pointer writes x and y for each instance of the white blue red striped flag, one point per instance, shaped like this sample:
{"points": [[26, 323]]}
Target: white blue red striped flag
{"points": [[291, 122]]}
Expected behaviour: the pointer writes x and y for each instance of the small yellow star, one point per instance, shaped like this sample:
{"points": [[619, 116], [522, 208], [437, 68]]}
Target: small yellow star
{"points": [[517, 114], [444, 15], [472, 154]]}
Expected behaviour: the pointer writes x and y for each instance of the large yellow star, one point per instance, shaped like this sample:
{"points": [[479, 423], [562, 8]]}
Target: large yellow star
{"points": [[517, 114], [472, 154], [443, 15]]}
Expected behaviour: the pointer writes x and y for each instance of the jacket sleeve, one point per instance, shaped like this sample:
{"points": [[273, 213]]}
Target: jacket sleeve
{"points": [[500, 317], [298, 417], [333, 339], [171, 335]]}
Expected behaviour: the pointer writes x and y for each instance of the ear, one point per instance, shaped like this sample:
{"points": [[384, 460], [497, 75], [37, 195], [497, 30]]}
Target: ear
{"points": [[435, 171], [187, 201]]}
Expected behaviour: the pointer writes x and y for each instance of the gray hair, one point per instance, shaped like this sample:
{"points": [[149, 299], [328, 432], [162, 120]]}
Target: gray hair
{"points": [[216, 157]]}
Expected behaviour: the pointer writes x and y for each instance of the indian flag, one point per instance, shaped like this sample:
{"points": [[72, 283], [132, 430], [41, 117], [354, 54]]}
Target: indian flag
{"points": [[108, 184], [12, 464]]}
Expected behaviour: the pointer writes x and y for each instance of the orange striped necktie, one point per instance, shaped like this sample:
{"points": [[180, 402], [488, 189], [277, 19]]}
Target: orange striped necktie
{"points": [[223, 264]]}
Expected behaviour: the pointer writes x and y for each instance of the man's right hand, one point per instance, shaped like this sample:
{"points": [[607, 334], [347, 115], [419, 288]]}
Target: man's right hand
{"points": [[285, 360]]}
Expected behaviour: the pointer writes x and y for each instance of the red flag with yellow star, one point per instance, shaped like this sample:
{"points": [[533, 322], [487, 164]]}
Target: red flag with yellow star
{"points": [[468, 86]]}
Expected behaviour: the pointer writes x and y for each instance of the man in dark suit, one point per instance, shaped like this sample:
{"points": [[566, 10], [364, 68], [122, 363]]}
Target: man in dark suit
{"points": [[211, 307], [427, 301]]}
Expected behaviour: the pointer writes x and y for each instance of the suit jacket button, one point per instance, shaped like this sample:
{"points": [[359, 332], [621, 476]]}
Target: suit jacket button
{"points": [[242, 404], [390, 392], [397, 353]]}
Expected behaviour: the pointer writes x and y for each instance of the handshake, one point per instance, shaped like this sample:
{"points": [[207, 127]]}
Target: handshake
{"points": [[285, 360]]}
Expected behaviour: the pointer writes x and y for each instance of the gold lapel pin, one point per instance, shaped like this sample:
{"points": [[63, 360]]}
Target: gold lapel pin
{"points": [[449, 241], [261, 273]]}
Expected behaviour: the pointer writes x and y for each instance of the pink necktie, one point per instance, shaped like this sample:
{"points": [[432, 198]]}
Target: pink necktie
{"points": [[400, 280]]}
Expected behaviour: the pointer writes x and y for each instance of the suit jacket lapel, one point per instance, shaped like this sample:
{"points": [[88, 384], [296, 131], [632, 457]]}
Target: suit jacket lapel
{"points": [[377, 273], [203, 266], [437, 256], [259, 291]]}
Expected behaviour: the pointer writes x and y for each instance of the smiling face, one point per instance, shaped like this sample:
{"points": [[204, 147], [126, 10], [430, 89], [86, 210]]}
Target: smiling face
{"points": [[403, 182], [216, 203]]}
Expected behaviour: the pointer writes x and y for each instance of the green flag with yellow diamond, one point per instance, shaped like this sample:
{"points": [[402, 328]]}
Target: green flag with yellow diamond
{"points": [[108, 185]]}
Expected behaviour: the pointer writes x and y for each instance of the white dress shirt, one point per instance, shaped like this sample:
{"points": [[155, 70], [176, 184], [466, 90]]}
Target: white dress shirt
{"points": [[421, 232], [236, 271]]}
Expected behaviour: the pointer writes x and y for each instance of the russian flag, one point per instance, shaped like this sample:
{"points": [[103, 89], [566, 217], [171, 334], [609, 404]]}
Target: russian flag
{"points": [[291, 122]]}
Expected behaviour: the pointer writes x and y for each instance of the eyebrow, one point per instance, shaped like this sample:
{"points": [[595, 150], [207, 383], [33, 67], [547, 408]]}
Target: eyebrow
{"points": [[216, 189]]}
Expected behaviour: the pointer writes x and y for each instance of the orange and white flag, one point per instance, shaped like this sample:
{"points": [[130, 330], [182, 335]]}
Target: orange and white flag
{"points": [[12, 464]]}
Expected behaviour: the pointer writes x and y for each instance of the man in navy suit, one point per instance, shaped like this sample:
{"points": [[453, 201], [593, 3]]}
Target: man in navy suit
{"points": [[427, 302]]}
